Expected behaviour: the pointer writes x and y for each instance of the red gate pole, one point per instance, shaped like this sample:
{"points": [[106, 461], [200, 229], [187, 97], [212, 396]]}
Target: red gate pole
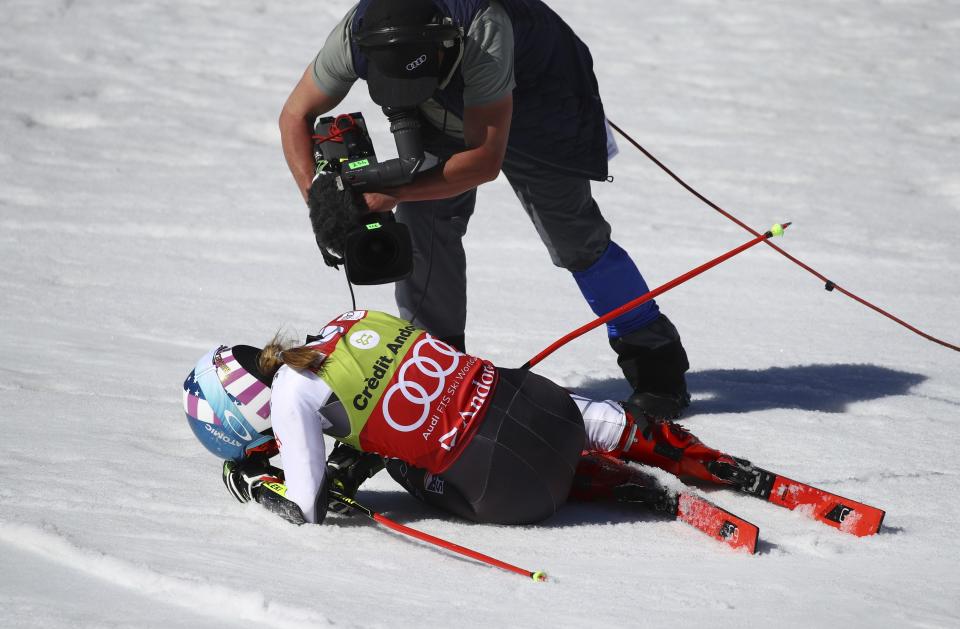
{"points": [[776, 230], [536, 575]]}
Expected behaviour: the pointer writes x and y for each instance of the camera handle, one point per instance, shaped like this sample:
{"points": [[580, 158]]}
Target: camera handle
{"points": [[405, 127]]}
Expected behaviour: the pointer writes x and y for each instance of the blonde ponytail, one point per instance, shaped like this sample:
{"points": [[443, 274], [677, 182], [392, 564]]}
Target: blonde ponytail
{"points": [[280, 351]]}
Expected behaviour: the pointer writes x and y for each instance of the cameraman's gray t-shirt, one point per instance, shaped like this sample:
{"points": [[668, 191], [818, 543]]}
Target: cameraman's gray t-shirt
{"points": [[487, 65]]}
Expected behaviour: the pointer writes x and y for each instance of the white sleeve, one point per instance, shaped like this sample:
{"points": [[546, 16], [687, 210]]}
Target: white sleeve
{"points": [[604, 421], [298, 425]]}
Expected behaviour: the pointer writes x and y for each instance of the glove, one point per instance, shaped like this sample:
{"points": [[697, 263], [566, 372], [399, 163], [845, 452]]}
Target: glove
{"points": [[347, 468], [243, 479]]}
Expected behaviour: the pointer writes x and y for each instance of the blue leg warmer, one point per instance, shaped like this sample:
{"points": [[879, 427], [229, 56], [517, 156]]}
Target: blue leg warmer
{"points": [[612, 281]]}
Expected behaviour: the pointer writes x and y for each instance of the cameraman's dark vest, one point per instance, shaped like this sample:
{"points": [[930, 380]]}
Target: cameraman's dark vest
{"points": [[558, 118]]}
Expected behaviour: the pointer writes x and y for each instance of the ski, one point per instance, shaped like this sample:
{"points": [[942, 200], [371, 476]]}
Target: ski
{"points": [[716, 522], [604, 477], [828, 508]]}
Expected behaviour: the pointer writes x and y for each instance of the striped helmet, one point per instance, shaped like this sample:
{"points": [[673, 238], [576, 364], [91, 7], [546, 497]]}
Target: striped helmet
{"points": [[227, 401]]}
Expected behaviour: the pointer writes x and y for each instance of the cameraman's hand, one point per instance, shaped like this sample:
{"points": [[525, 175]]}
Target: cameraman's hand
{"points": [[379, 202]]}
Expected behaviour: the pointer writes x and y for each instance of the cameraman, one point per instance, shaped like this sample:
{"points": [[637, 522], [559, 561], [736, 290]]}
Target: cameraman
{"points": [[501, 85]]}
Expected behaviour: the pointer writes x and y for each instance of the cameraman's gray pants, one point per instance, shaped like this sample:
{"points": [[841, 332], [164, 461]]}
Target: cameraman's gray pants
{"points": [[560, 206]]}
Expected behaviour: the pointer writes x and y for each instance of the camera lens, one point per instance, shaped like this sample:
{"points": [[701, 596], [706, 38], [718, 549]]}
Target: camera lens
{"points": [[378, 250]]}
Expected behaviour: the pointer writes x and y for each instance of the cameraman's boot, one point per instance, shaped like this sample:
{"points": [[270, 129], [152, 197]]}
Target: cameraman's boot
{"points": [[654, 363]]}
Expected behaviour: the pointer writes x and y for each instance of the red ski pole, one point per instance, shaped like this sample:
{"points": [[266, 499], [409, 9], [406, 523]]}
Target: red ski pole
{"points": [[537, 575], [776, 230]]}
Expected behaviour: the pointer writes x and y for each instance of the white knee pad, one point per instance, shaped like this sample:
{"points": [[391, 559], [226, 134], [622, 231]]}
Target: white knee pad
{"points": [[604, 421]]}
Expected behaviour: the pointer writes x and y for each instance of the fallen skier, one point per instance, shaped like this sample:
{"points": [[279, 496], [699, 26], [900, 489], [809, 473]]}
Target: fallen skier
{"points": [[502, 443], [484, 443]]}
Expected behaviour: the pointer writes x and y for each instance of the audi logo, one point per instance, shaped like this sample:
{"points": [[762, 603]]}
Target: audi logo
{"points": [[412, 391], [416, 63]]}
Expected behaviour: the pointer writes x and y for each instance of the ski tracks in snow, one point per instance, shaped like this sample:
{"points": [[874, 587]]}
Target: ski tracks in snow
{"points": [[196, 594]]}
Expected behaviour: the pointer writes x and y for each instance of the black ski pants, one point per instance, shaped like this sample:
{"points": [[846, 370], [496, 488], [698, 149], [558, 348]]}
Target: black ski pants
{"points": [[519, 465]]}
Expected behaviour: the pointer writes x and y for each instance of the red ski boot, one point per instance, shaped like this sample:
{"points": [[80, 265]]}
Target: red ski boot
{"points": [[605, 477], [670, 447]]}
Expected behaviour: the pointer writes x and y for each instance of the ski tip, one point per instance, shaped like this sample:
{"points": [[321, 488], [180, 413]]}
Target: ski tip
{"points": [[717, 522], [746, 539], [844, 514], [865, 521]]}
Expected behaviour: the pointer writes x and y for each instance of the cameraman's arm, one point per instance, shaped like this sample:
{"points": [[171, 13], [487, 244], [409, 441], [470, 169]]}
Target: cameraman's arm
{"points": [[323, 85], [305, 103], [486, 129], [487, 69]]}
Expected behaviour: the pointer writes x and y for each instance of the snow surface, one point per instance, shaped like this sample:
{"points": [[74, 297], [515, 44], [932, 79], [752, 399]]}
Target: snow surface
{"points": [[146, 215]]}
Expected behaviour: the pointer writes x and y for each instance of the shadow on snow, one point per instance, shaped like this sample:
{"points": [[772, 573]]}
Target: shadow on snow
{"points": [[403, 508], [823, 388]]}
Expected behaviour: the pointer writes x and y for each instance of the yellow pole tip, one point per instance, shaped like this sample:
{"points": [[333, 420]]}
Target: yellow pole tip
{"points": [[539, 575], [777, 230]]}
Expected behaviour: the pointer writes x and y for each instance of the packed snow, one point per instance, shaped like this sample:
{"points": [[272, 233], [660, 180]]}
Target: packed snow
{"points": [[147, 215]]}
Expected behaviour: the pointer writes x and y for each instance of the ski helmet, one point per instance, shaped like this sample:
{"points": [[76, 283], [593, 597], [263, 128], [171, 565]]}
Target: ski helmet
{"points": [[227, 402]]}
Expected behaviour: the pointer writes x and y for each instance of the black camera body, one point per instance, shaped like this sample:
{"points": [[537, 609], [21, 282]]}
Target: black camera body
{"points": [[340, 140], [376, 248]]}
